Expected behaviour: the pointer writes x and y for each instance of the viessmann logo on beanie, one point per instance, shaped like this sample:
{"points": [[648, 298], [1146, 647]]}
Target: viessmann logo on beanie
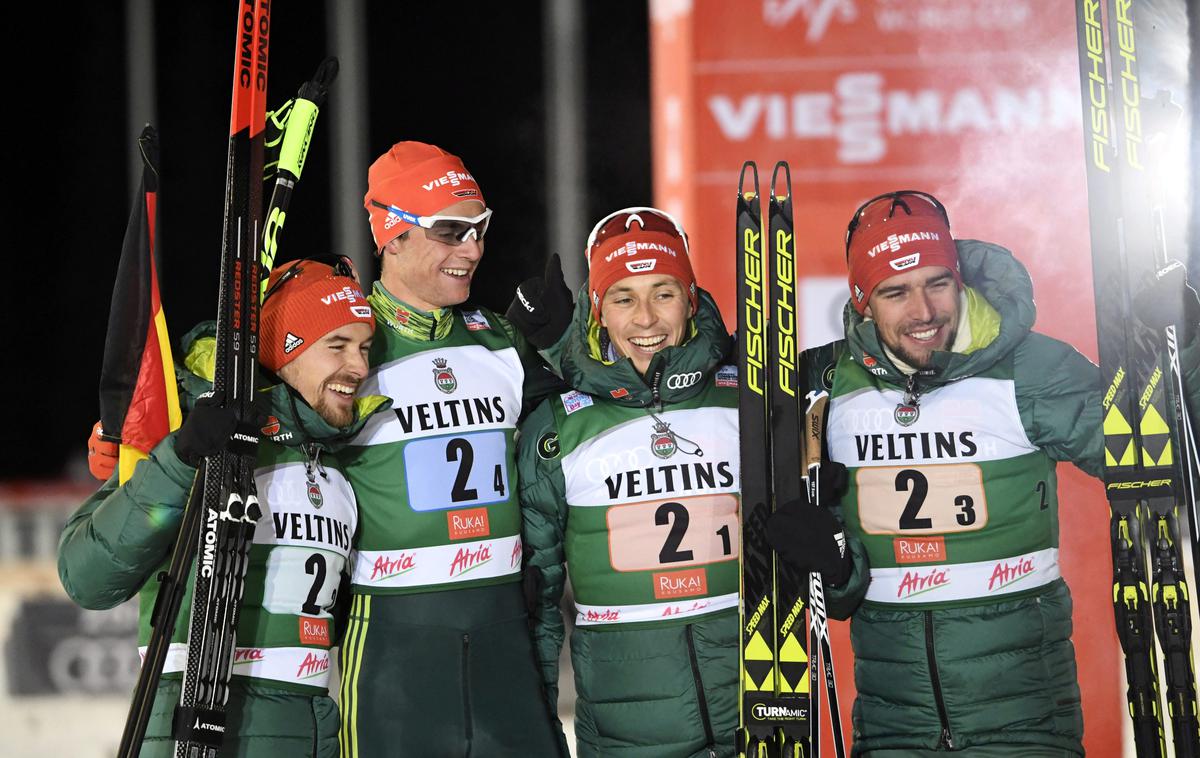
{"points": [[312, 303], [637, 241], [415, 177], [893, 236]]}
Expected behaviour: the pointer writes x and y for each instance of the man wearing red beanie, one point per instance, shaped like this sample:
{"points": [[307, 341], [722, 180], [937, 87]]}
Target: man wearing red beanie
{"points": [[947, 418], [316, 329], [437, 658], [629, 484]]}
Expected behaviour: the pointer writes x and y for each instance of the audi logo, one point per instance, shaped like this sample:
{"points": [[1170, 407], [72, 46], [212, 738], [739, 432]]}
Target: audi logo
{"points": [[682, 381]]}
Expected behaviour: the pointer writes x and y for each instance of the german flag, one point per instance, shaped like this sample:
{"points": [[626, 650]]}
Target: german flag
{"points": [[139, 400]]}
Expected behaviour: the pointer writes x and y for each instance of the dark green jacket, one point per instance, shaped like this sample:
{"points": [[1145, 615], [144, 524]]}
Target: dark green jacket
{"points": [[121, 537], [665, 687], [986, 670]]}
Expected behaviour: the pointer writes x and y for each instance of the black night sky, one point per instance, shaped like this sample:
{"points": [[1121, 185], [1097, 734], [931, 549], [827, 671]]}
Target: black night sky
{"points": [[468, 77]]}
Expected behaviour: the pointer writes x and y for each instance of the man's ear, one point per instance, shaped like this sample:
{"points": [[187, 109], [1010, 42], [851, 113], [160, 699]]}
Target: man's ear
{"points": [[867, 312]]}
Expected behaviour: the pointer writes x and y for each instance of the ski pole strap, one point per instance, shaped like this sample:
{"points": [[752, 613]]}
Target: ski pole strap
{"points": [[199, 726]]}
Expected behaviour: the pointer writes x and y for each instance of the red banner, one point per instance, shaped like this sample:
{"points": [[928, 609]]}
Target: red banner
{"points": [[973, 101]]}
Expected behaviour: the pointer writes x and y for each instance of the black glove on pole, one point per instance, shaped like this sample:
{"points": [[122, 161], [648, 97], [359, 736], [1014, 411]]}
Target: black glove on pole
{"points": [[542, 307], [810, 537], [205, 431], [1169, 300]]}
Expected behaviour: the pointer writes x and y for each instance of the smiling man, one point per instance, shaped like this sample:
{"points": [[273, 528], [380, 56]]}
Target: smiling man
{"points": [[951, 416], [316, 330], [438, 658], [630, 484]]}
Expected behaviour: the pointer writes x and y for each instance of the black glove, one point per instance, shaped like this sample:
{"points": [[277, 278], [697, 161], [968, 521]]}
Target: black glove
{"points": [[542, 307], [809, 537], [205, 431], [1169, 299]]}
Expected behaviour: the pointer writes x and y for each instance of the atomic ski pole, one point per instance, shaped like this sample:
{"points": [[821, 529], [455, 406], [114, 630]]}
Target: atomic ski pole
{"points": [[814, 434], [230, 498]]}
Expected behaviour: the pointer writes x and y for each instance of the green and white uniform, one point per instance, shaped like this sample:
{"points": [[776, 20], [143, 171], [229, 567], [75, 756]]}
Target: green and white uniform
{"points": [[961, 620], [437, 658], [634, 484], [118, 541]]}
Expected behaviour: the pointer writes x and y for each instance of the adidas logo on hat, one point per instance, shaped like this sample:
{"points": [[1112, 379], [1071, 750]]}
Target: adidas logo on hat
{"points": [[290, 343]]}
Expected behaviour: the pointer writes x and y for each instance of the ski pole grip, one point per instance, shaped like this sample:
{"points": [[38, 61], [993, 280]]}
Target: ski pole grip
{"points": [[317, 88]]}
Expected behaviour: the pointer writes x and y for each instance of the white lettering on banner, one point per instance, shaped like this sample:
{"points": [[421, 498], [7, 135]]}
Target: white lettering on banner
{"points": [[593, 615], [963, 581], [862, 114], [899, 16], [439, 564], [817, 13], [296, 665]]}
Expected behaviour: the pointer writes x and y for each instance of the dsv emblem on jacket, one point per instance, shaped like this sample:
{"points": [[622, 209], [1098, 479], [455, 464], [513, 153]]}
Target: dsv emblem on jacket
{"points": [[682, 381]]}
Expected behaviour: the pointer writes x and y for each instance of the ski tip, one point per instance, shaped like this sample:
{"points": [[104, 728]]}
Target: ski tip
{"points": [[787, 182], [753, 192]]}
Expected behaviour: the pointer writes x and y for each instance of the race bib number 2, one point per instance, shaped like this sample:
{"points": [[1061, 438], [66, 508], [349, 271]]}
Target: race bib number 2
{"points": [[457, 471], [686, 531], [938, 499]]}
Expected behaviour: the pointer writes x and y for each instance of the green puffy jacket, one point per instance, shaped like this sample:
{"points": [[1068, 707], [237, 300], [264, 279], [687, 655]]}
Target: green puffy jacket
{"points": [[632, 484], [961, 621], [121, 537]]}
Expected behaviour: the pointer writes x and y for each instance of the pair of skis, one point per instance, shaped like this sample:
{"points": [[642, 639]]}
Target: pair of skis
{"points": [[222, 509], [1150, 450], [779, 714]]}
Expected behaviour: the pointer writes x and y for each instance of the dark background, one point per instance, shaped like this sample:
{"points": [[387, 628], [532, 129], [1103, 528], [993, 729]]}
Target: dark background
{"points": [[466, 76]]}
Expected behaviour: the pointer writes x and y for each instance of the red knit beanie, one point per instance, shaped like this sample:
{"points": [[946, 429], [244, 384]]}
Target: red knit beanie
{"points": [[311, 303], [636, 241], [418, 178], [893, 234]]}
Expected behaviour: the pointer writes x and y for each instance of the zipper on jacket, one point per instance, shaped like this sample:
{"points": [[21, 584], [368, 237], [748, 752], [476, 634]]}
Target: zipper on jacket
{"points": [[654, 387], [946, 740], [466, 690], [316, 731], [700, 698]]}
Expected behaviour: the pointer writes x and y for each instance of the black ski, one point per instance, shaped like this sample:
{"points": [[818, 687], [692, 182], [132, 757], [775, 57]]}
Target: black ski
{"points": [[780, 454], [757, 685], [230, 500], [797, 679], [1147, 434]]}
